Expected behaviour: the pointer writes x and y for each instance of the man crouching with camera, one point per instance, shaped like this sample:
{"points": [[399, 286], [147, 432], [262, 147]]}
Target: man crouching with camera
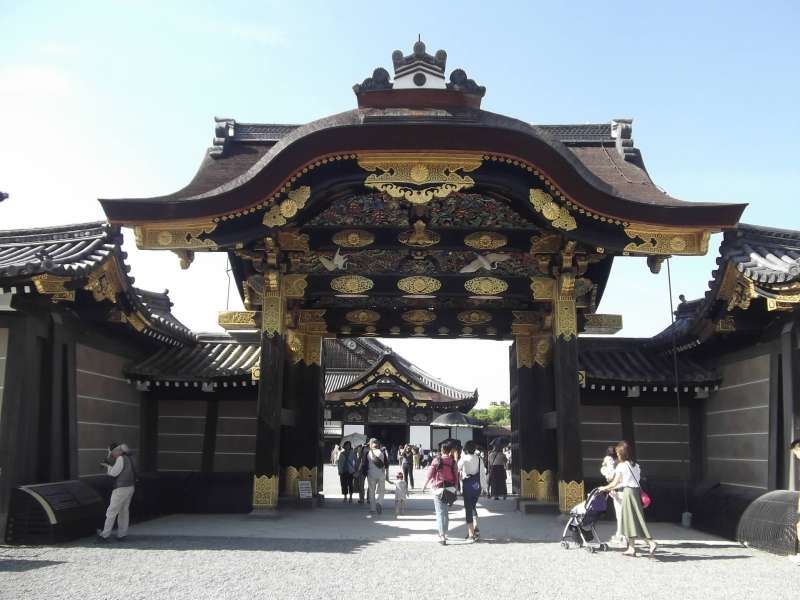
{"points": [[119, 465]]}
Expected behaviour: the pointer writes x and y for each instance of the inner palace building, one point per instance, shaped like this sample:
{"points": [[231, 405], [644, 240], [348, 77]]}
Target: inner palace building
{"points": [[415, 214]]}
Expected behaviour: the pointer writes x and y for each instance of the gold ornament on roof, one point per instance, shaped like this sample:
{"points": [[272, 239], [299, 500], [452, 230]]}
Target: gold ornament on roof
{"points": [[418, 316], [419, 178], [474, 317], [176, 235], [485, 240], [658, 241], [282, 211], [558, 215], [353, 238], [485, 286], [363, 317], [419, 285], [351, 284]]}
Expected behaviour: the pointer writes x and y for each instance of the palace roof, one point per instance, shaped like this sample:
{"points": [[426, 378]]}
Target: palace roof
{"points": [[72, 263], [222, 358]]}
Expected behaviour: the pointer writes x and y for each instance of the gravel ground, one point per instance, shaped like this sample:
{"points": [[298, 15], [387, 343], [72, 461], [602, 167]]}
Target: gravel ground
{"points": [[335, 552]]}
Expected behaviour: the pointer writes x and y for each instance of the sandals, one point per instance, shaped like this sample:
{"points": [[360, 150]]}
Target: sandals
{"points": [[653, 548]]}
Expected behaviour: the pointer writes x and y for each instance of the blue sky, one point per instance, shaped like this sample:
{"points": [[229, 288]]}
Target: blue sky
{"points": [[103, 99]]}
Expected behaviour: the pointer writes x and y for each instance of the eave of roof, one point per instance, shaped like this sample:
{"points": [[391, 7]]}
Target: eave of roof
{"points": [[630, 190]]}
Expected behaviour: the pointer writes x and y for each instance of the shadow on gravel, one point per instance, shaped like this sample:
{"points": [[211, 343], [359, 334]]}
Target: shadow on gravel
{"points": [[669, 558], [20, 566], [146, 542]]}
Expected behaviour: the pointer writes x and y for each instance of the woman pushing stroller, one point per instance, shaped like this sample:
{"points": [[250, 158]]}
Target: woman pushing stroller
{"points": [[626, 481]]}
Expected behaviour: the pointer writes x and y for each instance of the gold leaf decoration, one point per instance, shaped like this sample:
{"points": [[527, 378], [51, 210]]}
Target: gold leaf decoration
{"points": [[474, 317], [419, 285], [265, 491], [53, 286], [175, 235], [282, 211], [419, 178], [655, 241], [558, 215], [353, 238], [351, 284], [419, 237], [295, 285], [485, 240], [418, 316], [485, 286], [238, 319], [570, 494], [363, 317]]}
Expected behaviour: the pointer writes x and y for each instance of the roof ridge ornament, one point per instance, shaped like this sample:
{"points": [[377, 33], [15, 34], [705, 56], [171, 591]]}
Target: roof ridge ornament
{"points": [[419, 71]]}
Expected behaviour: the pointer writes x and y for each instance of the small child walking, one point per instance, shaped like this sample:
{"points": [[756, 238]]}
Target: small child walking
{"points": [[400, 494]]}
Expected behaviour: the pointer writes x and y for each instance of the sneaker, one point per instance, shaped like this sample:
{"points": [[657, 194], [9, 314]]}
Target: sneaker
{"points": [[101, 539]]}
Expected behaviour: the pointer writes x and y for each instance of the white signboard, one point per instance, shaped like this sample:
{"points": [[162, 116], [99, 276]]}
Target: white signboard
{"points": [[304, 489]]}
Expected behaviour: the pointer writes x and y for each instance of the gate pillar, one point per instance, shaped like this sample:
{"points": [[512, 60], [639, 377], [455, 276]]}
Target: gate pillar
{"points": [[534, 460], [571, 488]]}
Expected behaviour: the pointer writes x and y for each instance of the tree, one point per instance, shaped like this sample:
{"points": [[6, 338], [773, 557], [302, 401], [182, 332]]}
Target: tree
{"points": [[498, 413]]}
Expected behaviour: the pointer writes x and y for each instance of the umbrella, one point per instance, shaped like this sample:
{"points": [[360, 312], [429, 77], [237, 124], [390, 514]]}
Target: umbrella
{"points": [[355, 439], [456, 419]]}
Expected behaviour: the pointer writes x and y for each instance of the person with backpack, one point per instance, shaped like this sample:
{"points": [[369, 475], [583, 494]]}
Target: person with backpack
{"points": [[375, 467], [407, 465], [443, 477], [346, 465], [473, 480], [124, 474]]}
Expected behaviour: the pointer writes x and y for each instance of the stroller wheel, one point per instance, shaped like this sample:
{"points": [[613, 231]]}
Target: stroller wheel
{"points": [[565, 545], [590, 549], [604, 547]]}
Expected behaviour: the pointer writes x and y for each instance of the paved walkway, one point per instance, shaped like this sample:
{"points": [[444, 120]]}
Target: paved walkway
{"points": [[335, 552]]}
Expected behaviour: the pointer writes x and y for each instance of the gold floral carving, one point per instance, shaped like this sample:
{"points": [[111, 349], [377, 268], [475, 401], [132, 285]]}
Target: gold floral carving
{"points": [[265, 491], [665, 241], [582, 378], [53, 286], [418, 316], [570, 494], [726, 324], [255, 373], [602, 324], [311, 327], [419, 178], [546, 244], [175, 235], [363, 317], [292, 240], [419, 236], [558, 215], [238, 319], [474, 317], [273, 307], [185, 258], [295, 285], [543, 288], [351, 284], [486, 240], [419, 285], [566, 318], [353, 238], [136, 321], [524, 349], [538, 485], [295, 344], [282, 211], [541, 350], [485, 286]]}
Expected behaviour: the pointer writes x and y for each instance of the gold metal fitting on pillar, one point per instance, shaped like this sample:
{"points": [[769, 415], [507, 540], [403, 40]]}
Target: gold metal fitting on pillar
{"points": [[265, 491], [570, 494], [565, 324], [273, 313]]}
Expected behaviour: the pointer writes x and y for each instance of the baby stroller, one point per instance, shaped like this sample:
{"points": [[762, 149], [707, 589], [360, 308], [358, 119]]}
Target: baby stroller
{"points": [[580, 528]]}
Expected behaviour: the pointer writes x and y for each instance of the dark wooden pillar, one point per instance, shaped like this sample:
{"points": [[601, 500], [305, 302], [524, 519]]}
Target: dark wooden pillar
{"points": [[567, 393], [210, 435], [790, 379], [535, 456], [270, 396]]}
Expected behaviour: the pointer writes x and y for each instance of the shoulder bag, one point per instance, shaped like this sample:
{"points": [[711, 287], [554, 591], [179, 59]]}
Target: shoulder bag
{"points": [[646, 500]]}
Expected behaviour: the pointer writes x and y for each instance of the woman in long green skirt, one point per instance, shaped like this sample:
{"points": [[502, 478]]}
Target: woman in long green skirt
{"points": [[626, 480]]}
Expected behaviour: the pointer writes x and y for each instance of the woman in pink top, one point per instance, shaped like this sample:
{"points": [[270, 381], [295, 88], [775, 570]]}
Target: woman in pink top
{"points": [[443, 477]]}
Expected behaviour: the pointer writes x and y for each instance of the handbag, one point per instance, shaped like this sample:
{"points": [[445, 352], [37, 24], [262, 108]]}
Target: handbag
{"points": [[448, 496], [646, 499]]}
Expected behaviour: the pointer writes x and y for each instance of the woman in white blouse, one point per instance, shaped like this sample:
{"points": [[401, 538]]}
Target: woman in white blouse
{"points": [[607, 469], [473, 479], [626, 480]]}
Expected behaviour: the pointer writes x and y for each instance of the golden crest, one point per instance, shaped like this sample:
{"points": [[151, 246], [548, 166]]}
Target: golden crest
{"points": [[353, 238], [363, 317], [175, 235], [282, 211], [351, 284], [419, 285], [656, 241], [419, 178], [485, 286], [418, 316], [558, 215], [474, 317], [485, 240]]}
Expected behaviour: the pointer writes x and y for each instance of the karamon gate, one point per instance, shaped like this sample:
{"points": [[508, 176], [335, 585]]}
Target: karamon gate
{"points": [[418, 214]]}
